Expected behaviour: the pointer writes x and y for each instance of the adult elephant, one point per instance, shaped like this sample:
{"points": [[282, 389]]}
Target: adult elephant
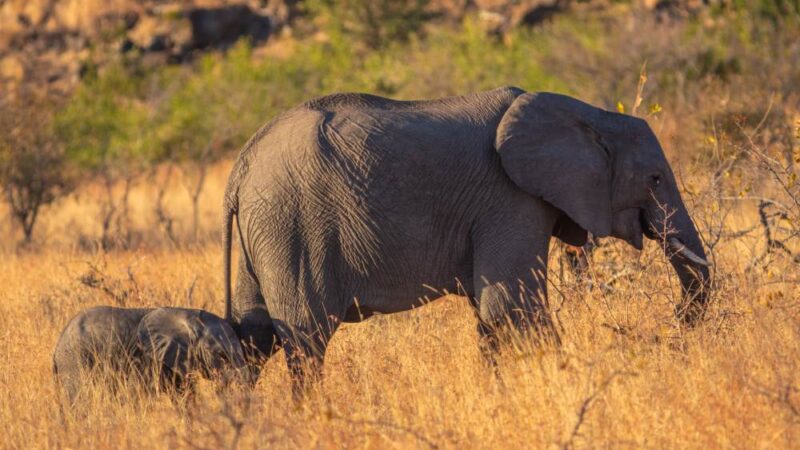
{"points": [[353, 204]]}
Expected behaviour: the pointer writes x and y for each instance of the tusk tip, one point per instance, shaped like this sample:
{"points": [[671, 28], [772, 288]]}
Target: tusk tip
{"points": [[681, 248]]}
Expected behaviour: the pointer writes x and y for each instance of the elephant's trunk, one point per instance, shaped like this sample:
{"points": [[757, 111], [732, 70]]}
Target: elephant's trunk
{"points": [[676, 232]]}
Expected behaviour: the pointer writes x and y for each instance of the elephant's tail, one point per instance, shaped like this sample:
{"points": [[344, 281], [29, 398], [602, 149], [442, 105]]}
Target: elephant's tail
{"points": [[227, 226]]}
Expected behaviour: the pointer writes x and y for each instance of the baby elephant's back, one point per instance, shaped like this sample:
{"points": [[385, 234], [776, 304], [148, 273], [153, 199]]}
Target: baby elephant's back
{"points": [[95, 336]]}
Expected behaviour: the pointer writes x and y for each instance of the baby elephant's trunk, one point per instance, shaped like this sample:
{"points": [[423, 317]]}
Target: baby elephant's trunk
{"points": [[226, 358]]}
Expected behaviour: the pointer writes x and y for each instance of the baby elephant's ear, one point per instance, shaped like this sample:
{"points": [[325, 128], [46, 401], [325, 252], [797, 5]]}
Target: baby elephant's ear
{"points": [[166, 341]]}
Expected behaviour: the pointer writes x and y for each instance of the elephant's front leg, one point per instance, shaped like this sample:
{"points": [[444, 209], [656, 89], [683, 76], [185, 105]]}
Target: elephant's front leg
{"points": [[510, 270]]}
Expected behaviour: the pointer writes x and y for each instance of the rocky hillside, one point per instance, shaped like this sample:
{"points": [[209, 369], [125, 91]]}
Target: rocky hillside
{"points": [[45, 45]]}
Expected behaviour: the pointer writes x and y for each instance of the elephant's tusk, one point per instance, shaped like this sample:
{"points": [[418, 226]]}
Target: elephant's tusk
{"points": [[679, 247]]}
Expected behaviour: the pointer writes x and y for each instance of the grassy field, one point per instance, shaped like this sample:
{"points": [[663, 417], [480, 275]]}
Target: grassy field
{"points": [[626, 375]]}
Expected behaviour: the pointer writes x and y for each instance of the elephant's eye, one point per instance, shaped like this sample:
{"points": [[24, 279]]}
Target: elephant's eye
{"points": [[655, 180]]}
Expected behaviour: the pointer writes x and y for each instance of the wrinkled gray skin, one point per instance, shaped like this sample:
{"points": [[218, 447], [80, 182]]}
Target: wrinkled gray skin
{"points": [[158, 346], [353, 204]]}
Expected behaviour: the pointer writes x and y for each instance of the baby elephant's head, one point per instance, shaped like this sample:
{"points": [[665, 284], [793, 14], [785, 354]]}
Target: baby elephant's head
{"points": [[218, 351], [176, 342]]}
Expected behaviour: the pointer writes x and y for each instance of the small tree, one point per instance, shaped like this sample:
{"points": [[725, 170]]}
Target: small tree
{"points": [[33, 169], [104, 126]]}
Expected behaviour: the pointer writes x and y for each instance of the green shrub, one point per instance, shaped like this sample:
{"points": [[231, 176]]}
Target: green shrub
{"points": [[374, 23], [775, 10], [105, 125]]}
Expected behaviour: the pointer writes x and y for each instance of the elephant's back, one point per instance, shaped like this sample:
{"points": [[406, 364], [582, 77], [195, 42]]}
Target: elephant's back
{"points": [[359, 125], [360, 101], [476, 109], [371, 136]]}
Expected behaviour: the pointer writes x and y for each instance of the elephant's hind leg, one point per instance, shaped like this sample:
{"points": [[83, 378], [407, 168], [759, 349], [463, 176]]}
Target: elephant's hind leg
{"points": [[253, 323]]}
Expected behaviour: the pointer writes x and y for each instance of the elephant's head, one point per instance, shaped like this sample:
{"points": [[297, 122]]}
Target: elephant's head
{"points": [[177, 342], [608, 174]]}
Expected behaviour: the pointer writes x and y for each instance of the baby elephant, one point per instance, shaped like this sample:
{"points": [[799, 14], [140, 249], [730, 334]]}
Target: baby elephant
{"points": [[157, 346]]}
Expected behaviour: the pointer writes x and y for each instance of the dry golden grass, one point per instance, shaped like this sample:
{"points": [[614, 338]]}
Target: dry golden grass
{"points": [[626, 375]]}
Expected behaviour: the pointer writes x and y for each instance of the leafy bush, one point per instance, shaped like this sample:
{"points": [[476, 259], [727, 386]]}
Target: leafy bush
{"points": [[105, 125], [776, 10], [374, 23]]}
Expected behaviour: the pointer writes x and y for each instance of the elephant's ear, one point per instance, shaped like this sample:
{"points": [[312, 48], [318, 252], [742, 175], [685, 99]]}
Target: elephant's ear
{"points": [[166, 341], [549, 148]]}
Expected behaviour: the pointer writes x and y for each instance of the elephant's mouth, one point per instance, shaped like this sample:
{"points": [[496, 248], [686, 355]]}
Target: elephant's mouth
{"points": [[645, 226], [633, 224], [651, 227], [629, 225]]}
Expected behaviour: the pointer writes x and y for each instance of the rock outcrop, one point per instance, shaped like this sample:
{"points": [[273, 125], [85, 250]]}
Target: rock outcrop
{"points": [[45, 43]]}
